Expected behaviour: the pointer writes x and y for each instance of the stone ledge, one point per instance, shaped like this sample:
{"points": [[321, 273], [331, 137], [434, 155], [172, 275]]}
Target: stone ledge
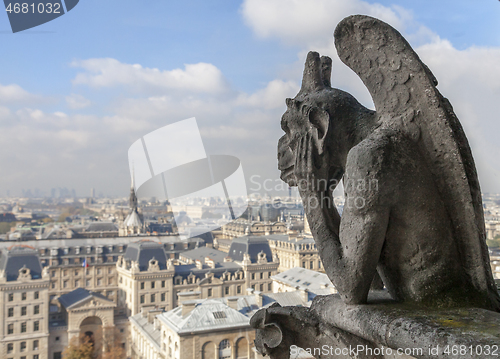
{"points": [[384, 322]]}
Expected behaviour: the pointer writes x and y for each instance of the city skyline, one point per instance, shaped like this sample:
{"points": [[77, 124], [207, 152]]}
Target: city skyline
{"points": [[75, 93]]}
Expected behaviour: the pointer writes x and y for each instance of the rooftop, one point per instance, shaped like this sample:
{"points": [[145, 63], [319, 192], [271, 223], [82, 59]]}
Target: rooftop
{"points": [[17, 257], [301, 278], [251, 245]]}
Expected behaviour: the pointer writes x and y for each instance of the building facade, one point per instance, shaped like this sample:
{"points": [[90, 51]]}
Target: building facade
{"points": [[24, 303]]}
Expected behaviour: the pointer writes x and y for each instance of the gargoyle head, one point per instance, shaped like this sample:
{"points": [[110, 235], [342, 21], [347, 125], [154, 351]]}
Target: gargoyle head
{"points": [[327, 114]]}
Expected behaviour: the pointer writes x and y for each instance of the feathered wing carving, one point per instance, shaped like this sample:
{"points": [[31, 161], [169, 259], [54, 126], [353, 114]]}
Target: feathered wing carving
{"points": [[406, 98]]}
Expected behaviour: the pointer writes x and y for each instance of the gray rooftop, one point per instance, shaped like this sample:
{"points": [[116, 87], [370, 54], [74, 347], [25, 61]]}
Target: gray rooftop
{"points": [[315, 282], [102, 227], [143, 251], [203, 252], [78, 295], [147, 329], [17, 257], [251, 245], [207, 315]]}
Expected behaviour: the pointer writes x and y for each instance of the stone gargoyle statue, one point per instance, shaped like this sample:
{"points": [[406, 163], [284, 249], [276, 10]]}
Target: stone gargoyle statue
{"points": [[413, 209]]}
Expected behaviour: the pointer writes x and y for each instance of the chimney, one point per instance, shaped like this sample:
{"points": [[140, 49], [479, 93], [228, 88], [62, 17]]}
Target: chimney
{"points": [[210, 262], [156, 324], [232, 302], [188, 296], [304, 295], [188, 306], [258, 298]]}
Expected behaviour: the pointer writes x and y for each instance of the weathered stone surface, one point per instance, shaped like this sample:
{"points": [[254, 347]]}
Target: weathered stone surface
{"points": [[413, 211], [413, 205], [393, 328]]}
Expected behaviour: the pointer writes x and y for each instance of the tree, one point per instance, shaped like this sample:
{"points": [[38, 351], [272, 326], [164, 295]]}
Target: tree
{"points": [[80, 348], [113, 348]]}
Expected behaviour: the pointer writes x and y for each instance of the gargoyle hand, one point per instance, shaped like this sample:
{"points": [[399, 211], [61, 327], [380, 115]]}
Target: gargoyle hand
{"points": [[311, 168]]}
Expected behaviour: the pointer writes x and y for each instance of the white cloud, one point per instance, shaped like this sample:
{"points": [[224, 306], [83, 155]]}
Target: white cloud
{"points": [[308, 23], [470, 79], [270, 97], [77, 102], [107, 72], [14, 94]]}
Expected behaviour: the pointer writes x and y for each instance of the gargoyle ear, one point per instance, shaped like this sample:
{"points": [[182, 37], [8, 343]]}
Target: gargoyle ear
{"points": [[320, 120]]}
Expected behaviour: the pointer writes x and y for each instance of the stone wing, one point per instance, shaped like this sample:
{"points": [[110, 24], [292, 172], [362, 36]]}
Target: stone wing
{"points": [[406, 98]]}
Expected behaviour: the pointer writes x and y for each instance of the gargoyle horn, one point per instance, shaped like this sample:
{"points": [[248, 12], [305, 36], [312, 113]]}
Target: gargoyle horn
{"points": [[312, 79]]}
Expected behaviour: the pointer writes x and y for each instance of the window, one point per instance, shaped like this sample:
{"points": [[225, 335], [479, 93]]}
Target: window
{"points": [[35, 356], [53, 285], [253, 275], [219, 315], [23, 296], [311, 265], [110, 270], [303, 264], [87, 282], [23, 310], [65, 272], [261, 275], [209, 292], [53, 273], [36, 295], [36, 309], [153, 298], [10, 329], [262, 287], [238, 289], [77, 272], [224, 349], [23, 327], [35, 344], [163, 297], [11, 297], [23, 346], [226, 290], [57, 355], [99, 271], [99, 281], [77, 283], [11, 312], [65, 284], [163, 284], [269, 275], [142, 299], [142, 285], [10, 348], [269, 286], [153, 285], [36, 326], [110, 280]]}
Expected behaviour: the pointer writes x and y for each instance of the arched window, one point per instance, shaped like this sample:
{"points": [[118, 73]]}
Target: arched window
{"points": [[242, 348], [208, 351], [225, 349]]}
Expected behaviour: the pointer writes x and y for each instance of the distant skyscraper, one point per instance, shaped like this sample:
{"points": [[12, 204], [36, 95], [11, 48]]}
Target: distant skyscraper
{"points": [[92, 193]]}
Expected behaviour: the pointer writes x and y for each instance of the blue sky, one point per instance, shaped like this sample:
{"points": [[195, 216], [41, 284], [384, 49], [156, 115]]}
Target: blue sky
{"points": [[76, 92]]}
